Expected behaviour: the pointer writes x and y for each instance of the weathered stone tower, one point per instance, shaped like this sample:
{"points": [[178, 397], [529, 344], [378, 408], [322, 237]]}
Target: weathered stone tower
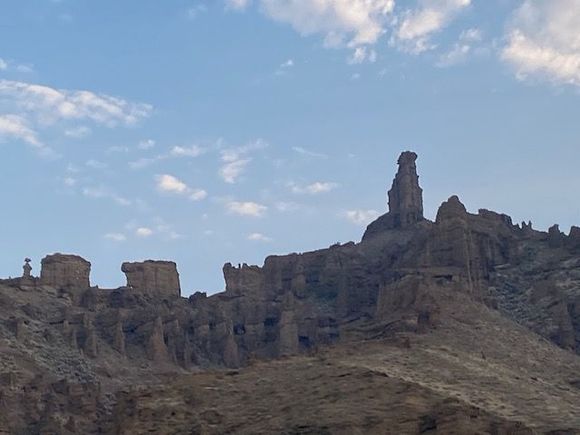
{"points": [[406, 196], [405, 200]]}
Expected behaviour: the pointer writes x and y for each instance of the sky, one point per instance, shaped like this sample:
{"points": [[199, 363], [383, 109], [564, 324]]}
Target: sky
{"points": [[207, 132]]}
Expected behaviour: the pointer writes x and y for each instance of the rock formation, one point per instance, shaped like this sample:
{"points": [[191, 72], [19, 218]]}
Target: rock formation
{"points": [[68, 272], [153, 278], [464, 275], [405, 199]]}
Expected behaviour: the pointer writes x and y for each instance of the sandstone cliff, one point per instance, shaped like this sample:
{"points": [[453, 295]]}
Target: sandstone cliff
{"points": [[408, 277]]}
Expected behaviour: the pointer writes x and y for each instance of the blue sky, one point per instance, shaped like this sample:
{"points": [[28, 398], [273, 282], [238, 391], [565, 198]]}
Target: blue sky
{"points": [[219, 131]]}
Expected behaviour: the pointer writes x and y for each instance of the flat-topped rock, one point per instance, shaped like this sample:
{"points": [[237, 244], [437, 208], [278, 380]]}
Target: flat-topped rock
{"points": [[153, 278], [62, 271]]}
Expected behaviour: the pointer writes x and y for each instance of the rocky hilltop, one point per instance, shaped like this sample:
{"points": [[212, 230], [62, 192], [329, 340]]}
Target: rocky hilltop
{"points": [[469, 324]]}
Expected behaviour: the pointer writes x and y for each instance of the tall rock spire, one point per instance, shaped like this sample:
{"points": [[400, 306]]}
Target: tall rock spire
{"points": [[406, 196], [405, 199]]}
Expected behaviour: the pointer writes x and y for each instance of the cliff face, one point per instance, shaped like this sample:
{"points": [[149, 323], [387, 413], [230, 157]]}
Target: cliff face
{"points": [[404, 277], [155, 278]]}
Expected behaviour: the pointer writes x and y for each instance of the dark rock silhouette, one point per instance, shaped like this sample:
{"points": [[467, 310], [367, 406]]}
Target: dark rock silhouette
{"points": [[469, 281]]}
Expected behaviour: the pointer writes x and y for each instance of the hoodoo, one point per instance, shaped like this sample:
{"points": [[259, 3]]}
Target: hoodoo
{"points": [[406, 196], [405, 199]]}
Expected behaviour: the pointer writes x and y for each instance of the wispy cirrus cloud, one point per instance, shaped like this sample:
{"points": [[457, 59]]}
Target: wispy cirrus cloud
{"points": [[313, 188], [30, 108], [309, 153], [101, 192], [115, 237], [462, 49], [235, 160], [10, 65], [17, 127], [416, 27], [49, 105], [237, 4]]}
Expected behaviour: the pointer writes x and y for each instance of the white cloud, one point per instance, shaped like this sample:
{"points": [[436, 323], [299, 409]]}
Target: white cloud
{"points": [[360, 217], [49, 105], [96, 164], [166, 231], [103, 193], [192, 151], [170, 184], [25, 68], [314, 188], [284, 206], [259, 237], [69, 181], [116, 237], [78, 132], [362, 54], [197, 194], [237, 4], [461, 49], [143, 232], [355, 22], [143, 162], [544, 42], [246, 208], [309, 153], [17, 127], [417, 27], [235, 160], [146, 144], [194, 11], [117, 149], [231, 171], [33, 107], [6, 65], [284, 67]]}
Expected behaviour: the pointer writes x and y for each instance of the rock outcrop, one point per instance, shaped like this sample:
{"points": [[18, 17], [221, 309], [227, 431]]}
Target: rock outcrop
{"points": [[153, 278], [407, 279], [67, 272], [405, 199]]}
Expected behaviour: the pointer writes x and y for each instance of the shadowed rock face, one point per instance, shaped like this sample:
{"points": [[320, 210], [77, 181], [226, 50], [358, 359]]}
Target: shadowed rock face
{"points": [[405, 199], [408, 275], [65, 272], [154, 278]]}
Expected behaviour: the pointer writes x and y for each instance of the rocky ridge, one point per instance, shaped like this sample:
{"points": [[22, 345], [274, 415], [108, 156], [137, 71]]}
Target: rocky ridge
{"points": [[78, 347]]}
